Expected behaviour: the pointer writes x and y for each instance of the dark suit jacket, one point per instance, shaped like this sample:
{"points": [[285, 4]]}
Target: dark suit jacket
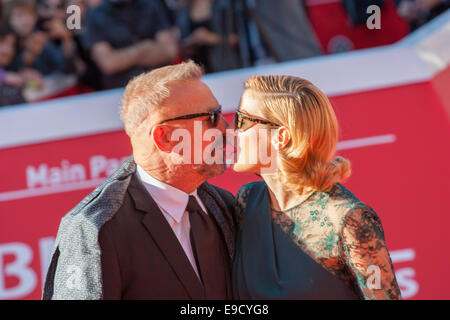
{"points": [[116, 244], [143, 259]]}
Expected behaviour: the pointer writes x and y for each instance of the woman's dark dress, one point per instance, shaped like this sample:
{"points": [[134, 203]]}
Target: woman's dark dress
{"points": [[324, 248]]}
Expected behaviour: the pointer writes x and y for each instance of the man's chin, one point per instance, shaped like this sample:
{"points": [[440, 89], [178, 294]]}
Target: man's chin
{"points": [[211, 171]]}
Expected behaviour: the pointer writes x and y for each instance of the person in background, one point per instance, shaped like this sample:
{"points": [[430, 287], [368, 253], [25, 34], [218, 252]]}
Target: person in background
{"points": [[128, 37], [2, 6], [89, 76], [210, 33], [49, 10], [273, 38], [12, 83], [419, 12], [357, 10], [52, 20], [34, 48]]}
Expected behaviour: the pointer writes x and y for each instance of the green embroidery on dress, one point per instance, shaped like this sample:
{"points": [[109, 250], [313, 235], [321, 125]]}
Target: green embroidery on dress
{"points": [[329, 242], [317, 226]]}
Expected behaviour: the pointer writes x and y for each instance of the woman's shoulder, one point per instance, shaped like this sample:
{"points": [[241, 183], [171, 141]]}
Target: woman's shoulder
{"points": [[242, 197], [244, 192], [351, 210], [245, 189], [341, 197]]}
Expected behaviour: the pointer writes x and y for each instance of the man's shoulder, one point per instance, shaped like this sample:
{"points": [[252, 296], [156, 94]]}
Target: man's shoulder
{"points": [[77, 243], [224, 194], [101, 204]]}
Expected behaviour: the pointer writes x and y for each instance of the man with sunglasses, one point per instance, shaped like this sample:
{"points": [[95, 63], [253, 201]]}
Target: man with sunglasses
{"points": [[155, 229]]}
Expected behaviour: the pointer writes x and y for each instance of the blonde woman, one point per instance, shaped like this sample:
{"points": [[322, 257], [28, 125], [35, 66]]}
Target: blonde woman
{"points": [[302, 234]]}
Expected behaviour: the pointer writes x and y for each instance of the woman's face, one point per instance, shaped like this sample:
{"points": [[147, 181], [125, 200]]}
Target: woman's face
{"points": [[254, 151], [7, 50]]}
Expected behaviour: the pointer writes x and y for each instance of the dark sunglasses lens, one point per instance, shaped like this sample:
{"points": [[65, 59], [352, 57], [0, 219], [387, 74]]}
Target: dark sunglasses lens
{"points": [[241, 123], [215, 118], [245, 124], [238, 121]]}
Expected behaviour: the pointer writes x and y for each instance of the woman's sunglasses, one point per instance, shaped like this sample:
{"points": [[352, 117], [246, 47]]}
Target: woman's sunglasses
{"points": [[243, 122], [213, 116]]}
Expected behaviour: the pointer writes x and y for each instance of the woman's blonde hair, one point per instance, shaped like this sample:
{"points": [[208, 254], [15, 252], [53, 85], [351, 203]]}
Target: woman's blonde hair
{"points": [[308, 160]]}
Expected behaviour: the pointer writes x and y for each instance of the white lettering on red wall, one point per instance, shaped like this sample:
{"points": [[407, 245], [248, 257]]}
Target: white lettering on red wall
{"points": [[44, 175], [20, 268]]}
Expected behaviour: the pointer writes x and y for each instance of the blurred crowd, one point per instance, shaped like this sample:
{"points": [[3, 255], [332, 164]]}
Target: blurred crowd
{"points": [[118, 39], [419, 12]]}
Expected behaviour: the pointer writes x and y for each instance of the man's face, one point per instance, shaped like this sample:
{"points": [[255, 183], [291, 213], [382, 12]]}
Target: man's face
{"points": [[198, 145]]}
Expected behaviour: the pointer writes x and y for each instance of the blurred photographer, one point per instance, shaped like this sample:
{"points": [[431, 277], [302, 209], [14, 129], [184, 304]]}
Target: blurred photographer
{"points": [[35, 50], [12, 83], [419, 12], [128, 37]]}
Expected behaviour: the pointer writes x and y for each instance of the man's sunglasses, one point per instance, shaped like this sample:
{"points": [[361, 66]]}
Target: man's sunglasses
{"points": [[244, 122], [213, 116]]}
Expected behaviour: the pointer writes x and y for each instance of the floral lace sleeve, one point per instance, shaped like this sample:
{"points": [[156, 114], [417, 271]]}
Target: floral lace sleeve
{"points": [[240, 199], [364, 252]]}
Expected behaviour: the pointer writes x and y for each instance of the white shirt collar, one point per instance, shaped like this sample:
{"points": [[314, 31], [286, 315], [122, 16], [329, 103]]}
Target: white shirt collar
{"points": [[170, 199]]}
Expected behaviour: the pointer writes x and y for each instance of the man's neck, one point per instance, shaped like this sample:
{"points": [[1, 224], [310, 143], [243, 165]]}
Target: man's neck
{"points": [[184, 181]]}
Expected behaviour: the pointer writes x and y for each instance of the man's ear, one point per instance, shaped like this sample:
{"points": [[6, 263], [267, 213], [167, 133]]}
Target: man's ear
{"points": [[161, 136]]}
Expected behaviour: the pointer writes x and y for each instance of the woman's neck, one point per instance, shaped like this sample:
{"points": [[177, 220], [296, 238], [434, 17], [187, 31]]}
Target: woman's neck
{"points": [[281, 197]]}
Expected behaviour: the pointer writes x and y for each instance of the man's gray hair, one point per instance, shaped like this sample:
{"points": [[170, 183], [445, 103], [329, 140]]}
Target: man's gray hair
{"points": [[149, 90]]}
